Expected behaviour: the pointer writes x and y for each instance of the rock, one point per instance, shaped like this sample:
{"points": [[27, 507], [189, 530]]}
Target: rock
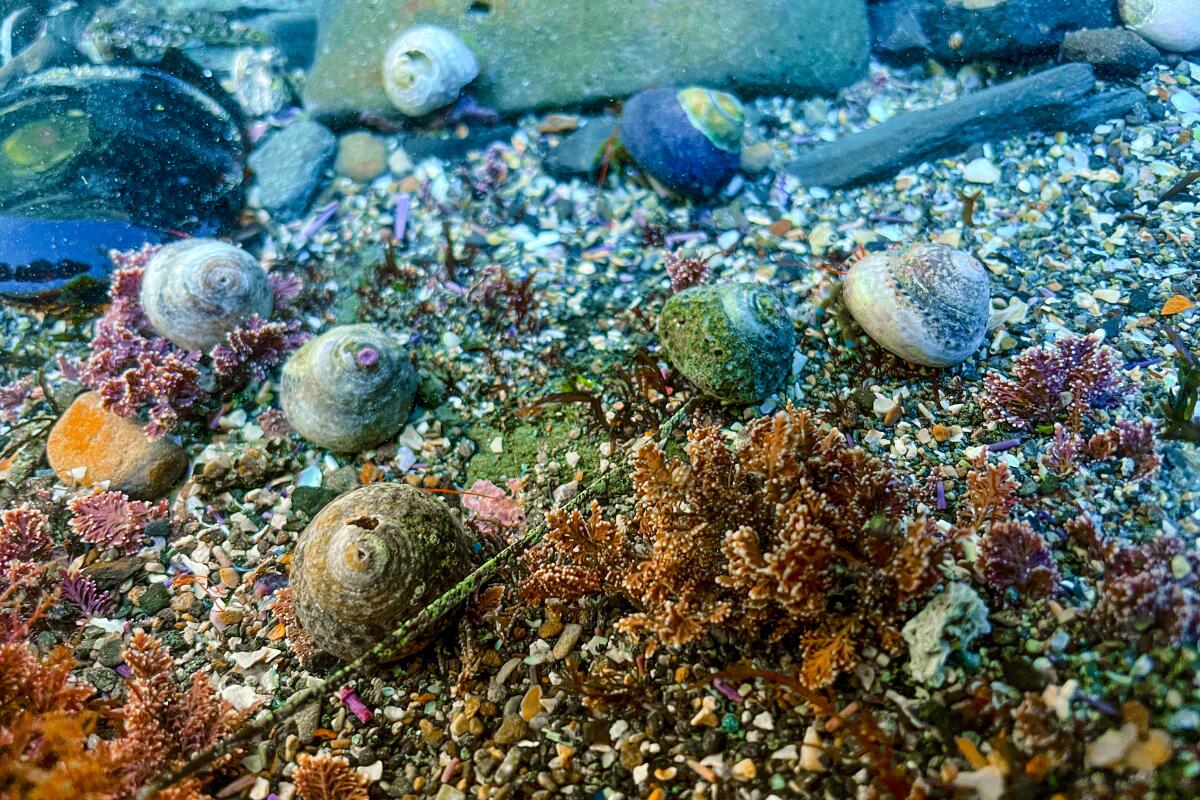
{"points": [[361, 156], [535, 54], [110, 650], [103, 678], [289, 167], [259, 83], [111, 574], [757, 157], [948, 622], [582, 152], [734, 341], [450, 147], [1060, 98], [154, 599], [973, 31], [1173, 25], [1112, 51], [90, 446], [511, 730], [980, 170]]}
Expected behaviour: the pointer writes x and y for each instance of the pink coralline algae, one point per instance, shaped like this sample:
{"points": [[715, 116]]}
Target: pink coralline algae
{"points": [[24, 533], [110, 519], [254, 349], [1073, 375], [1142, 592], [494, 509], [14, 396], [685, 272]]}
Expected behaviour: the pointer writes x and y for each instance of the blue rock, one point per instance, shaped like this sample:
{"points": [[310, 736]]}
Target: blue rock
{"points": [[688, 140], [290, 166]]}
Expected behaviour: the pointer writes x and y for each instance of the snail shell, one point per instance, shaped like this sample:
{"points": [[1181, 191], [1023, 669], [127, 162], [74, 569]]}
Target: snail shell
{"points": [[197, 290], [927, 303], [348, 389], [689, 140], [371, 559], [734, 341], [1170, 24], [425, 69]]}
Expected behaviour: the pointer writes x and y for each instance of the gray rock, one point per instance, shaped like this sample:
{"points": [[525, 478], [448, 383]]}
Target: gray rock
{"points": [[536, 54], [103, 678], [110, 651], [155, 599], [967, 32], [290, 165], [1060, 98], [1112, 51], [581, 152], [948, 623]]}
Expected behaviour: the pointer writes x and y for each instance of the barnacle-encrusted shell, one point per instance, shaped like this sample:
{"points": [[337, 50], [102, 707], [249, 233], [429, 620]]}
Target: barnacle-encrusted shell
{"points": [[927, 303], [688, 140], [1170, 24], [371, 559], [734, 341], [349, 388], [197, 290], [425, 69]]}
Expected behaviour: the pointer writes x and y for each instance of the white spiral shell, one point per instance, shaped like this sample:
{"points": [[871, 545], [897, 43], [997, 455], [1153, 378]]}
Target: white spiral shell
{"points": [[1170, 24], [197, 290], [928, 303], [426, 68]]}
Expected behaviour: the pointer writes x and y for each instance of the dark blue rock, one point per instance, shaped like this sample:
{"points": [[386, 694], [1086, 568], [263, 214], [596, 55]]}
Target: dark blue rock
{"points": [[670, 147], [290, 166], [67, 260]]}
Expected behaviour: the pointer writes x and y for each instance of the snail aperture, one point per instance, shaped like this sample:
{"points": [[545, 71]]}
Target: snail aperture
{"points": [[196, 291]]}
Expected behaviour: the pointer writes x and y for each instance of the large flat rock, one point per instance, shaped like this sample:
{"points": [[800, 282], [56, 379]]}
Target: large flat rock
{"points": [[538, 54]]}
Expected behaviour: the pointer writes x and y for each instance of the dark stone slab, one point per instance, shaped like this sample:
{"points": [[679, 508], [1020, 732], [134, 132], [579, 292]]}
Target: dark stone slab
{"points": [[1112, 51], [958, 32], [1061, 98], [450, 147], [559, 53]]}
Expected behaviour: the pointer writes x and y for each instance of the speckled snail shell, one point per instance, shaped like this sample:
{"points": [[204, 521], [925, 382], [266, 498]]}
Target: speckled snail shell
{"points": [[1170, 24], [348, 389], [927, 303], [426, 68], [371, 559], [197, 290]]}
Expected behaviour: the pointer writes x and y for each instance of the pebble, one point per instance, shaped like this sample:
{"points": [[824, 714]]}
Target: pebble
{"points": [[981, 170], [745, 770], [566, 641], [1185, 102], [512, 729], [90, 446], [361, 156], [531, 704], [289, 167]]}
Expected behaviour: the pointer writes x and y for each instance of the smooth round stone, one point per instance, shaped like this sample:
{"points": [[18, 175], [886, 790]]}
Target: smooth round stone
{"points": [[361, 156], [734, 341], [90, 446]]}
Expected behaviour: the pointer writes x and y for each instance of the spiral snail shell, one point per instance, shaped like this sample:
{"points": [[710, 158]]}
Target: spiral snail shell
{"points": [[1170, 24], [348, 389], [425, 69], [197, 290], [371, 559], [927, 303]]}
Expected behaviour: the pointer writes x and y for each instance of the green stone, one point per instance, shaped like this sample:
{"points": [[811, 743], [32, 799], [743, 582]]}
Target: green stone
{"points": [[155, 599], [544, 54], [734, 341]]}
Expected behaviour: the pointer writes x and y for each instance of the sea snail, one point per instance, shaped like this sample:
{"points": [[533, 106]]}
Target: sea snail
{"points": [[426, 68]]}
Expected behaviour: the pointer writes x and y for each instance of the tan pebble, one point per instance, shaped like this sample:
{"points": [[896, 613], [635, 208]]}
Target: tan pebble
{"points": [[511, 730], [810, 751], [458, 725], [703, 771], [566, 641], [665, 774], [361, 156], [89, 446], [1149, 753], [551, 627], [230, 577], [706, 719], [744, 770], [940, 432], [418, 783], [558, 123], [531, 704]]}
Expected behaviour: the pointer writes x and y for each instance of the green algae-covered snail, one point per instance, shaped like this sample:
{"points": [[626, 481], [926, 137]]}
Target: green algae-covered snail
{"points": [[349, 388], [425, 68], [371, 559], [197, 290], [689, 140], [1170, 24], [927, 303], [734, 341]]}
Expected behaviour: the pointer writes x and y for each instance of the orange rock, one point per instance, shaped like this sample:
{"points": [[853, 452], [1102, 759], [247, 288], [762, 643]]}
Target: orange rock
{"points": [[1176, 304], [89, 446]]}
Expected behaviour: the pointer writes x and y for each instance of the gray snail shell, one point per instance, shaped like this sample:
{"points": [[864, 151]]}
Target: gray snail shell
{"points": [[927, 303], [348, 389], [425, 68], [197, 290], [371, 559]]}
